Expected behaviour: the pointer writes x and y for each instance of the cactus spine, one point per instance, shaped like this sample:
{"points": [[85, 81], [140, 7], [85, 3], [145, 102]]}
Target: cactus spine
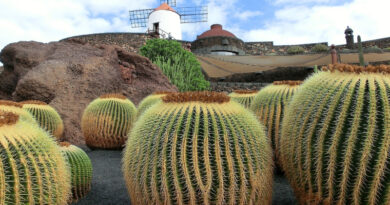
{"points": [[244, 97], [107, 120], [360, 48], [198, 148], [16, 108], [335, 137], [46, 116], [149, 101], [80, 169], [32, 169], [269, 106]]}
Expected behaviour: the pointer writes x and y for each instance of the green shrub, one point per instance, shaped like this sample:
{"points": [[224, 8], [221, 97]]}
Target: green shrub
{"points": [[180, 66], [295, 50], [319, 48], [386, 49], [373, 49]]}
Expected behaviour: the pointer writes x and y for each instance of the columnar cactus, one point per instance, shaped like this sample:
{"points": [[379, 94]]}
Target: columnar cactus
{"points": [[335, 137], [107, 120], [16, 108], [32, 169], [80, 169], [244, 97], [149, 101], [46, 116], [198, 148], [269, 106]]}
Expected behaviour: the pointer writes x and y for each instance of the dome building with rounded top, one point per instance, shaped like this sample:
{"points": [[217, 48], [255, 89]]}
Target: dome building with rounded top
{"points": [[218, 41]]}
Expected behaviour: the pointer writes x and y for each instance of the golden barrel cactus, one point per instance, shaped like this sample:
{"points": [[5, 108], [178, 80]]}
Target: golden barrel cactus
{"points": [[269, 106], [80, 169], [16, 108], [198, 148], [32, 168], [46, 116], [244, 97], [150, 100], [335, 140], [107, 120]]}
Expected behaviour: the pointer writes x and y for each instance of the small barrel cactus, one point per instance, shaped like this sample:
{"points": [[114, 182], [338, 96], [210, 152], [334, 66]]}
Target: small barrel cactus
{"points": [[244, 97], [32, 169], [335, 137], [80, 169], [269, 106], [107, 120], [16, 108], [150, 100], [198, 148], [46, 116]]}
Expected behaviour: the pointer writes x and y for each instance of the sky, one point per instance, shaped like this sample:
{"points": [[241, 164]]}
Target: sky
{"points": [[281, 21]]}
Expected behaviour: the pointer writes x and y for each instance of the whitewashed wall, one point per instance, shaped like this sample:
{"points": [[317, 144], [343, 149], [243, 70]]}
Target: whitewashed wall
{"points": [[169, 22]]}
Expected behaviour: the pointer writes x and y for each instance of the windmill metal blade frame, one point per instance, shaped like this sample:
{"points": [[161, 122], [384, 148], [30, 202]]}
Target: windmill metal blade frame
{"points": [[169, 2], [139, 18], [193, 14]]}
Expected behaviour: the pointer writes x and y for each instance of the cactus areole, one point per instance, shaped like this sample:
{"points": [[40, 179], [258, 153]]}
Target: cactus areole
{"points": [[335, 137], [32, 169], [198, 148]]}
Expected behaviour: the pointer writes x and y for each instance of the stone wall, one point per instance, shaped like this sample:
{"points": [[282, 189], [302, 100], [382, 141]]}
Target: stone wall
{"points": [[381, 43], [268, 48], [230, 86]]}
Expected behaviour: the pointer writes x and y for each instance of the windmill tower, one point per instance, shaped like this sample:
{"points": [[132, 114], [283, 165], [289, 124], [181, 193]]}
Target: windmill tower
{"points": [[165, 21]]}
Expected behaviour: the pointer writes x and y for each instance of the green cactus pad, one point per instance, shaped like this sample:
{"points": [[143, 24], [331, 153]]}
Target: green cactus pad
{"points": [[244, 97], [107, 120], [46, 116], [32, 169], [80, 168], [335, 137], [198, 148]]}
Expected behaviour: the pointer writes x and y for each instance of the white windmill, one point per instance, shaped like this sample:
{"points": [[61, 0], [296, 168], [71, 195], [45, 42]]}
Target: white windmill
{"points": [[165, 20]]}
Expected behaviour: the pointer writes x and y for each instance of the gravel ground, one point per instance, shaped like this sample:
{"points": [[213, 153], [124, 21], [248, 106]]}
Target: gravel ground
{"points": [[109, 188]]}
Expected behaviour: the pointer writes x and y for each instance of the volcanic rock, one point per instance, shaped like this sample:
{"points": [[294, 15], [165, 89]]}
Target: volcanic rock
{"points": [[69, 75]]}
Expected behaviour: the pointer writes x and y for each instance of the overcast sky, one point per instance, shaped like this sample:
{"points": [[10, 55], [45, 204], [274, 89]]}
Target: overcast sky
{"points": [[281, 21]]}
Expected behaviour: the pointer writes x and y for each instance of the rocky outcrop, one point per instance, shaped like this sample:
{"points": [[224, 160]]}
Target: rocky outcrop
{"points": [[69, 75]]}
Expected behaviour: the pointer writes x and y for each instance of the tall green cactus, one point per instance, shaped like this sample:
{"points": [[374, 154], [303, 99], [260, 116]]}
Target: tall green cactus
{"points": [[149, 101], [244, 97], [198, 148], [46, 116], [107, 120], [16, 108], [269, 106], [360, 48], [80, 169], [32, 169], [335, 137]]}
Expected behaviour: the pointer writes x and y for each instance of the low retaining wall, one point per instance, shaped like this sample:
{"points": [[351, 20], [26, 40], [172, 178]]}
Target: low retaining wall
{"points": [[230, 86]]}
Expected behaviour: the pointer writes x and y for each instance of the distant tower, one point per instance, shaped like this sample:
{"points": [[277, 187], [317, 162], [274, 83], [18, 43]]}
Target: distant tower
{"points": [[349, 37], [165, 21]]}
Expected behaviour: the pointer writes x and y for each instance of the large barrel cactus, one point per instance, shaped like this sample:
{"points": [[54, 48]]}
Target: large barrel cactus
{"points": [[244, 97], [198, 148], [80, 169], [335, 140], [32, 169], [16, 108], [107, 120], [149, 101], [46, 116], [269, 106]]}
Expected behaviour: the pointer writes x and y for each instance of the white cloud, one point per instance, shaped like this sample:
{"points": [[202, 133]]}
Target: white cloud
{"points": [[247, 14]]}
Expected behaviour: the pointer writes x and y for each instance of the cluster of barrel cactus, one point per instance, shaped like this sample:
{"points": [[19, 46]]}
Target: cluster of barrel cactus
{"points": [[198, 148], [243, 97]]}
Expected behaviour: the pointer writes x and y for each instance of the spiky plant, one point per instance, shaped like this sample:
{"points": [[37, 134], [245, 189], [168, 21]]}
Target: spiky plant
{"points": [[149, 101], [107, 120], [198, 148], [336, 137], [269, 106], [80, 169], [46, 116], [32, 169], [16, 108], [244, 97]]}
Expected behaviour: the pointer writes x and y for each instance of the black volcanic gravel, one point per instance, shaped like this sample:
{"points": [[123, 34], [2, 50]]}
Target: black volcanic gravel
{"points": [[109, 188]]}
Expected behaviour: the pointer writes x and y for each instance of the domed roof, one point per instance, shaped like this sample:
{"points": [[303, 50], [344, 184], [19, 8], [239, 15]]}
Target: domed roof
{"points": [[216, 30], [164, 6]]}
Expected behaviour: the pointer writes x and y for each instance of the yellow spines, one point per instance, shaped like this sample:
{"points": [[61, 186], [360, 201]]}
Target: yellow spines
{"points": [[46, 116], [148, 101], [107, 120], [244, 97], [80, 168], [16, 108], [198, 148], [269, 106], [335, 137], [32, 169]]}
